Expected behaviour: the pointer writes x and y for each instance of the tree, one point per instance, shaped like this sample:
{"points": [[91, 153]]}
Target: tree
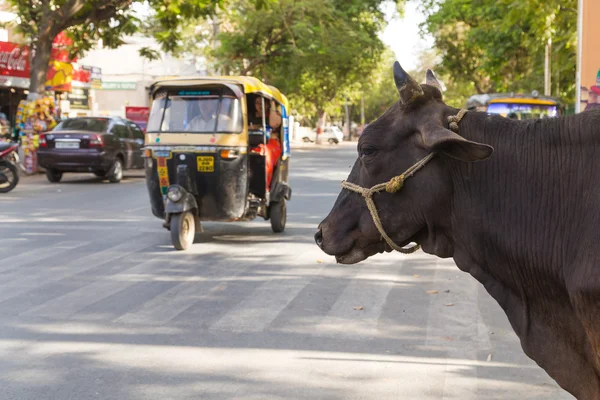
{"points": [[87, 21], [313, 50], [498, 45]]}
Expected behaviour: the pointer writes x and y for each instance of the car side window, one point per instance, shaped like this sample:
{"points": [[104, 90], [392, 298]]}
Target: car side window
{"points": [[136, 131], [120, 130]]}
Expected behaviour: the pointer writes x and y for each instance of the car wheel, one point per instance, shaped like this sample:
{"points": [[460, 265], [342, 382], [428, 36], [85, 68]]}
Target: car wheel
{"points": [[278, 216], [183, 230], [100, 174], [53, 175], [9, 177], [116, 171], [306, 140], [332, 141]]}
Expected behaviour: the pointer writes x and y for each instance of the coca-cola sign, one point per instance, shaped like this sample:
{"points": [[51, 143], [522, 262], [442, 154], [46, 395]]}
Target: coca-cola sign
{"points": [[14, 60]]}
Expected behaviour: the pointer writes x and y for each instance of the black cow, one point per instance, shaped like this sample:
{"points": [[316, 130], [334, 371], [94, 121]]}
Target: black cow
{"points": [[515, 203]]}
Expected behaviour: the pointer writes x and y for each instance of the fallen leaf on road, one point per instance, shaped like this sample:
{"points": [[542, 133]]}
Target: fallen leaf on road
{"points": [[320, 261], [432, 292], [449, 304], [447, 291], [446, 338], [489, 358], [417, 276], [359, 308]]}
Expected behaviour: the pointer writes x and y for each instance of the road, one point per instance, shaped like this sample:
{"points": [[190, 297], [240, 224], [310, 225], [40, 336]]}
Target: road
{"points": [[95, 304]]}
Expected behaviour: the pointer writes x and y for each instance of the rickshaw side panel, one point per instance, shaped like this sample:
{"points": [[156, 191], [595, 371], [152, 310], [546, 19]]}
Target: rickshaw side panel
{"points": [[153, 185], [280, 185], [258, 181]]}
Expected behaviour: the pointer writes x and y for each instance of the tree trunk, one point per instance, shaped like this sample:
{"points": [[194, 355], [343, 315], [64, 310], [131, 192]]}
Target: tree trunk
{"points": [[320, 125], [39, 65], [42, 49]]}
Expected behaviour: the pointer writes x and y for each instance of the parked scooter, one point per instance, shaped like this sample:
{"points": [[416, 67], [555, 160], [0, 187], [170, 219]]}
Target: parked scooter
{"points": [[9, 159]]}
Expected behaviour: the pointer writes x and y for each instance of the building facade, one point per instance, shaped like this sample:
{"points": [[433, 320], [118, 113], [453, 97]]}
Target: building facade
{"points": [[126, 76]]}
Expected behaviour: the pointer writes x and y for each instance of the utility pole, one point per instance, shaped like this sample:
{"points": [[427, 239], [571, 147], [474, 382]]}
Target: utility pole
{"points": [[347, 118], [547, 74], [215, 42], [362, 112]]}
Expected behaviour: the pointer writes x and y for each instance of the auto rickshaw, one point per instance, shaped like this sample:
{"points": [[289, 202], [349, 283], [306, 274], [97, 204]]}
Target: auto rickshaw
{"points": [[214, 169], [516, 105]]}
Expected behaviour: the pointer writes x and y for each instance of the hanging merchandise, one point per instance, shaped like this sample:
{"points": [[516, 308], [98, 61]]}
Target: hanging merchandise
{"points": [[33, 118]]}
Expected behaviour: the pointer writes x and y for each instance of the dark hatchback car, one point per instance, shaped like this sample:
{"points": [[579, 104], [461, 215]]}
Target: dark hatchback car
{"points": [[105, 146]]}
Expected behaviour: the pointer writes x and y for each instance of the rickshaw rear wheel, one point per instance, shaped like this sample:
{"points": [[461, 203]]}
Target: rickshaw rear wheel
{"points": [[183, 229], [278, 216]]}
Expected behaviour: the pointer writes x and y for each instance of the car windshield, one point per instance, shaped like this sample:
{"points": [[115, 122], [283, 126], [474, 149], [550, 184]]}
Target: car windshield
{"points": [[195, 112], [83, 124], [523, 111]]}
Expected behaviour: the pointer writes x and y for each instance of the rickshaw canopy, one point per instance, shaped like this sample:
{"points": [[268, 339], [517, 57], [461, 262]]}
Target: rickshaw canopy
{"points": [[516, 105], [482, 100], [249, 84]]}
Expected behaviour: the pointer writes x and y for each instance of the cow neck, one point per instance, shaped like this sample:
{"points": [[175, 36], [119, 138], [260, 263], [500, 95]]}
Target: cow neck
{"points": [[394, 185]]}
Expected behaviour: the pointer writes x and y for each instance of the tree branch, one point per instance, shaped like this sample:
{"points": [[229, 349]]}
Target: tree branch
{"points": [[287, 27], [99, 14], [69, 9]]}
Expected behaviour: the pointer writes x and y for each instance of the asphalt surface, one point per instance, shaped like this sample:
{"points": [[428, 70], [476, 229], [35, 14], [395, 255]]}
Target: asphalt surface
{"points": [[95, 304]]}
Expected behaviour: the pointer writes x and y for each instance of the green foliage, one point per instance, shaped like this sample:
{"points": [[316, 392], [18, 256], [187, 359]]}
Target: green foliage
{"points": [[172, 17], [316, 51], [87, 21], [499, 45], [378, 91]]}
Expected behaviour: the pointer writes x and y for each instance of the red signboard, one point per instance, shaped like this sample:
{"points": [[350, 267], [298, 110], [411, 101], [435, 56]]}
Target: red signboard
{"points": [[82, 74], [14, 60], [139, 115]]}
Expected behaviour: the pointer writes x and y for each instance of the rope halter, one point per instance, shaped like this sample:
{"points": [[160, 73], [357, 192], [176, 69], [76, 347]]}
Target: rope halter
{"points": [[394, 185]]}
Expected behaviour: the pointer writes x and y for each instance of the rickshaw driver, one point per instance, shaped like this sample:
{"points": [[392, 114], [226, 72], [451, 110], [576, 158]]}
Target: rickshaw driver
{"points": [[206, 117], [272, 150]]}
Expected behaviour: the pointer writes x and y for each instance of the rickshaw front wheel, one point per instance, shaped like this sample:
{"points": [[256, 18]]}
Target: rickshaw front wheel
{"points": [[183, 229], [278, 216]]}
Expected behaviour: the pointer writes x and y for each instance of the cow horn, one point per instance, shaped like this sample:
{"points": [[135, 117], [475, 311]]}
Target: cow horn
{"points": [[408, 88], [431, 80]]}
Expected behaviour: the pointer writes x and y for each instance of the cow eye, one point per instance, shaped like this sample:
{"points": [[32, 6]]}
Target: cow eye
{"points": [[368, 151]]}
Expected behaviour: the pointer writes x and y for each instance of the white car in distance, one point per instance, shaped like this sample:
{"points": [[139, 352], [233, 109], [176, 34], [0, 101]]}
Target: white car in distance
{"points": [[331, 135]]}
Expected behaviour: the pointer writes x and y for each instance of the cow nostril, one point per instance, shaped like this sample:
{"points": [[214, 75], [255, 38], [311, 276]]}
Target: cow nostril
{"points": [[319, 237]]}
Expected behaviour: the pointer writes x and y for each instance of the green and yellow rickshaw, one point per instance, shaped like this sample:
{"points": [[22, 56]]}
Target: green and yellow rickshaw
{"points": [[516, 106], [205, 153]]}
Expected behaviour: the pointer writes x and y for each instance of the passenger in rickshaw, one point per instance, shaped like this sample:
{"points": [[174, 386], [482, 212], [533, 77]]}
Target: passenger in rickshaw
{"points": [[272, 150], [205, 111]]}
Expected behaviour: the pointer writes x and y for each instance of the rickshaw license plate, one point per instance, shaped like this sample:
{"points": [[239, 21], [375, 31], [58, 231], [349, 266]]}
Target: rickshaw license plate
{"points": [[206, 164]]}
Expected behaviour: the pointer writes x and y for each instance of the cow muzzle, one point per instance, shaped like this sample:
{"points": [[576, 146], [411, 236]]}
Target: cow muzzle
{"points": [[391, 186]]}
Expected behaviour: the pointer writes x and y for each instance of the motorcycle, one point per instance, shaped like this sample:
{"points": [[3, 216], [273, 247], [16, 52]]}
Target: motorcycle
{"points": [[9, 159]]}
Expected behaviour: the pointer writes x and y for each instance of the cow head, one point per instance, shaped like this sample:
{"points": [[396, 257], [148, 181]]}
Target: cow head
{"points": [[412, 128]]}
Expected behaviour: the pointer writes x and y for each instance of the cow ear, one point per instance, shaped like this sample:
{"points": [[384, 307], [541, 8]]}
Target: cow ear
{"points": [[408, 88], [445, 141]]}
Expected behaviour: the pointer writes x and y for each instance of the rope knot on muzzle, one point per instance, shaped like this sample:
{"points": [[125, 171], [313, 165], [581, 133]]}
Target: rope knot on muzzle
{"points": [[395, 184]]}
